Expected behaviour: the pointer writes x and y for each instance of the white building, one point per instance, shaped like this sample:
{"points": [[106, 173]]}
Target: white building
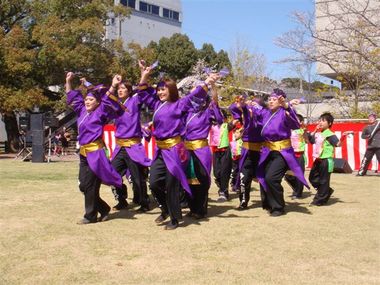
{"points": [[340, 23], [149, 21]]}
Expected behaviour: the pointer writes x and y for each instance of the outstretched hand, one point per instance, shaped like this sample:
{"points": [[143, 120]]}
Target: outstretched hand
{"points": [[116, 80], [145, 71], [212, 78], [70, 76], [295, 102]]}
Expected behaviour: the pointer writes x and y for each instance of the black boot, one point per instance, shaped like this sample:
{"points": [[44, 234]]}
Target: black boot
{"points": [[172, 225], [123, 204]]}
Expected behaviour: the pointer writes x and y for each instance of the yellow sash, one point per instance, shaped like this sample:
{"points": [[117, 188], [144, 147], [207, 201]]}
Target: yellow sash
{"points": [[168, 143], [90, 147], [195, 144], [278, 145], [252, 146], [128, 142]]}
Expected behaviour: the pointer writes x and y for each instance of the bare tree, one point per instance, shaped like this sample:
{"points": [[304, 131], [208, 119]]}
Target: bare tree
{"points": [[305, 73], [344, 40], [249, 68]]}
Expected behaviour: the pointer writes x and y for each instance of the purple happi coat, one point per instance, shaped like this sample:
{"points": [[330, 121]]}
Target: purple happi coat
{"points": [[168, 123], [90, 129], [277, 126], [250, 115], [197, 127], [128, 126]]}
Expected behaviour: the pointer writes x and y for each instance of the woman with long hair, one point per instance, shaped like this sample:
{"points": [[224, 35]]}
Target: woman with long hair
{"points": [[167, 173]]}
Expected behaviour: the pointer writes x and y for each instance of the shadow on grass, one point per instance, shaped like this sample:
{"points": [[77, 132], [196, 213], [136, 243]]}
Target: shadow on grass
{"points": [[123, 214], [298, 208]]}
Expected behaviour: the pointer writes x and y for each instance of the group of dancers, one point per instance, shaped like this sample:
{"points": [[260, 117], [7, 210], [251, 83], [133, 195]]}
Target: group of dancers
{"points": [[271, 138]]}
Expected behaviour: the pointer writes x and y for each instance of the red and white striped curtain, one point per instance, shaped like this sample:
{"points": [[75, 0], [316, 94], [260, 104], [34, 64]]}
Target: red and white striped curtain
{"points": [[352, 150]]}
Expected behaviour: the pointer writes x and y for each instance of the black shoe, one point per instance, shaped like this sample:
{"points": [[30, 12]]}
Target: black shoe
{"points": [[172, 225], [314, 203], [277, 213], [222, 197], [189, 214], [243, 205], [104, 217], [143, 209], [123, 204], [85, 221], [198, 216], [161, 218]]}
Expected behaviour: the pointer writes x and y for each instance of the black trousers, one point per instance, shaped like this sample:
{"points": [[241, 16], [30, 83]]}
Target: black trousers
{"points": [[199, 202], [89, 185], [275, 168], [293, 181], [222, 165], [165, 188], [122, 162], [319, 177], [234, 172], [369, 153], [247, 173]]}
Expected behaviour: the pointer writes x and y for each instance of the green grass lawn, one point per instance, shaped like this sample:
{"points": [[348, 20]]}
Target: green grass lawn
{"points": [[40, 242]]}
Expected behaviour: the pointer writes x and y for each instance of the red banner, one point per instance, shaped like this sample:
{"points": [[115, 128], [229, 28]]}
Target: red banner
{"points": [[352, 150]]}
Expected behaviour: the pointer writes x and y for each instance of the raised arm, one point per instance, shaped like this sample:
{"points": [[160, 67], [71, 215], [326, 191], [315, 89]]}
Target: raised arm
{"points": [[147, 94], [200, 92], [291, 119], [110, 105], [215, 112], [74, 97]]}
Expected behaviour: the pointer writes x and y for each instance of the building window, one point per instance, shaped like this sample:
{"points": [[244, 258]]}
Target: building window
{"points": [[175, 15], [155, 10], [129, 3], [170, 14], [149, 8]]}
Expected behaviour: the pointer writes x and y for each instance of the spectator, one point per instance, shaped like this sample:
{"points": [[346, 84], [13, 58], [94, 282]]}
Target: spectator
{"points": [[370, 132]]}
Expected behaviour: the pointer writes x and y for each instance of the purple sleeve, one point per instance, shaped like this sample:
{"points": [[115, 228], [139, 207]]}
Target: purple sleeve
{"points": [[111, 107], [185, 102], [247, 119], [148, 97], [75, 100], [216, 113], [291, 119], [235, 111]]}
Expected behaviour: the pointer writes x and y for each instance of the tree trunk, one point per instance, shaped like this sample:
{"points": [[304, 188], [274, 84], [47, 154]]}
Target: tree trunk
{"points": [[11, 127]]}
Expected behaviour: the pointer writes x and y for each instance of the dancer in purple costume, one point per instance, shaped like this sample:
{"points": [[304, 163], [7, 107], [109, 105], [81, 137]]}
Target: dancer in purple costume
{"points": [[197, 127], [277, 156], [167, 174], [93, 112], [129, 153], [248, 112]]}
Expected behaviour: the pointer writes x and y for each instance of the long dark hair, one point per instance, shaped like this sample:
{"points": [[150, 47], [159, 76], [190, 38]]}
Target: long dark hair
{"points": [[128, 86], [172, 86]]}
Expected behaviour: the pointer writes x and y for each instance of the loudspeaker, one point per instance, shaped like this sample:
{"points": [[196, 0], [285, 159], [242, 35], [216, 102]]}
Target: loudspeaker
{"points": [[24, 122], [51, 121], [37, 121], [38, 153], [341, 166], [38, 146]]}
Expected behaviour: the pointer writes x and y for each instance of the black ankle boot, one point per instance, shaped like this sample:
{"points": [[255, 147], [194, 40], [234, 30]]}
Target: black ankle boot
{"points": [[123, 204], [172, 225]]}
